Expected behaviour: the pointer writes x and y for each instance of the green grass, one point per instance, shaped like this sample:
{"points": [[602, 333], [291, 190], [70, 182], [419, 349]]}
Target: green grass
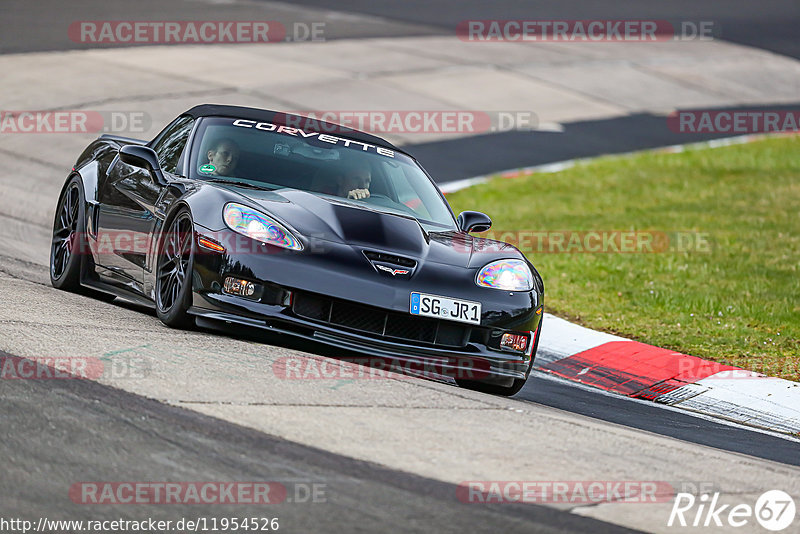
{"points": [[737, 303]]}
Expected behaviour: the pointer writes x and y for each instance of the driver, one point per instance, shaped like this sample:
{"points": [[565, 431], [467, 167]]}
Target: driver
{"points": [[355, 181], [223, 155]]}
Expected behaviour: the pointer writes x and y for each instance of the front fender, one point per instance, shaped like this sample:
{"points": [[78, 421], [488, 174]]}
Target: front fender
{"points": [[205, 206]]}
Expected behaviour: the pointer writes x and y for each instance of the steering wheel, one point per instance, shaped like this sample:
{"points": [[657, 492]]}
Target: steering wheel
{"points": [[383, 200], [379, 196]]}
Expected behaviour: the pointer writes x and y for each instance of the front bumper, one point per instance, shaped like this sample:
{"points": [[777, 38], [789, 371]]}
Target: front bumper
{"points": [[471, 352]]}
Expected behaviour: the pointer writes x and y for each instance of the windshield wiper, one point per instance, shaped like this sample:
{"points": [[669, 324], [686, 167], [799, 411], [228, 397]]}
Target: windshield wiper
{"points": [[239, 184]]}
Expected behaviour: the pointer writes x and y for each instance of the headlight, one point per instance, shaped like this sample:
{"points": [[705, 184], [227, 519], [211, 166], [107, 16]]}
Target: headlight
{"points": [[258, 226], [508, 275]]}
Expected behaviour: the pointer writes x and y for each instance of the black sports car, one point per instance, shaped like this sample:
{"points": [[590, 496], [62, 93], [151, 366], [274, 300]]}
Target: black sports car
{"points": [[240, 216]]}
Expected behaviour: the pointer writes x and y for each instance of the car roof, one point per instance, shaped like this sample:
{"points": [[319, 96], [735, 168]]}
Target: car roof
{"points": [[288, 119]]}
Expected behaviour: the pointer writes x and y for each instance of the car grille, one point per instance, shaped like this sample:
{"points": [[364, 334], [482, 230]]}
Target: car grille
{"points": [[379, 323]]}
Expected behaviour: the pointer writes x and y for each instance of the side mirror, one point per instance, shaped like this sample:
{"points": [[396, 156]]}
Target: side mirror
{"points": [[474, 221], [143, 157]]}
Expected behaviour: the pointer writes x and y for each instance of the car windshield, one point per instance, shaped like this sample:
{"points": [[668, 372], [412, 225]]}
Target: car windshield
{"points": [[265, 155]]}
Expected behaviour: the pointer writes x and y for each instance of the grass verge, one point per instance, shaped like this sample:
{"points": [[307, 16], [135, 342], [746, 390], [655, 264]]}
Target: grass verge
{"points": [[721, 277]]}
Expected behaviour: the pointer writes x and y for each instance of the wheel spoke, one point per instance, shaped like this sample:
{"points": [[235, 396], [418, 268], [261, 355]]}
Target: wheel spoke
{"points": [[186, 240], [62, 219], [176, 240], [62, 251], [169, 248], [166, 289], [62, 232], [168, 263], [68, 205], [74, 209], [179, 240], [175, 289], [164, 274], [70, 241], [58, 260]]}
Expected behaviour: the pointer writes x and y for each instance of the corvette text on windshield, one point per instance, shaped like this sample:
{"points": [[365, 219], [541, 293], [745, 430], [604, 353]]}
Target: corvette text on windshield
{"points": [[297, 132]]}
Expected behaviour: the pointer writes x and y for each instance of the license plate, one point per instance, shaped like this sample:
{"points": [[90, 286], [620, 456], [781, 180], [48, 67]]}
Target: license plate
{"points": [[464, 311]]}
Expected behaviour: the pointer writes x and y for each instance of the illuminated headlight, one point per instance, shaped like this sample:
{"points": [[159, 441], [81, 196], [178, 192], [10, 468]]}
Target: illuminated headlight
{"points": [[258, 226], [508, 275]]}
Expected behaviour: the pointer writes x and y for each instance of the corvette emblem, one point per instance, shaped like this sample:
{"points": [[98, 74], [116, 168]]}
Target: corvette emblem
{"points": [[393, 272]]}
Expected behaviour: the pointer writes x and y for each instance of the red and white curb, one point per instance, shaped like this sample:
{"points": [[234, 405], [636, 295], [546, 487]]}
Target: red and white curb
{"points": [[642, 371]]}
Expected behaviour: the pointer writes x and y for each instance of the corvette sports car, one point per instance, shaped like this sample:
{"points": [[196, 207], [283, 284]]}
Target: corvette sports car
{"points": [[238, 217]]}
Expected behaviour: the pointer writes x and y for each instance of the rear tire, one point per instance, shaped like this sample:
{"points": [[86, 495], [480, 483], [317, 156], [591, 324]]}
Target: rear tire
{"points": [[174, 272], [69, 249], [69, 238]]}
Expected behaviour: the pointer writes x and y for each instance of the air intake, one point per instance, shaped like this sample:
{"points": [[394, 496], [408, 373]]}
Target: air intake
{"points": [[390, 258]]}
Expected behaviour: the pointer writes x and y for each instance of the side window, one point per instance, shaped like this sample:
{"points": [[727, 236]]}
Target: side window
{"points": [[170, 143]]}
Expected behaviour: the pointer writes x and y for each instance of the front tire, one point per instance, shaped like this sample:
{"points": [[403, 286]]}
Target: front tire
{"points": [[174, 272], [494, 389], [504, 390]]}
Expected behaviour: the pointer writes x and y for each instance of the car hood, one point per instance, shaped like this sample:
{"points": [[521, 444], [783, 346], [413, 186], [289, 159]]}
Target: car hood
{"points": [[317, 218]]}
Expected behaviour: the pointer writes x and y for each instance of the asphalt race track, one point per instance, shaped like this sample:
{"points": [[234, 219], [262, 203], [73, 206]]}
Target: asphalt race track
{"points": [[645, 416], [479, 155], [389, 454], [84, 421], [770, 25]]}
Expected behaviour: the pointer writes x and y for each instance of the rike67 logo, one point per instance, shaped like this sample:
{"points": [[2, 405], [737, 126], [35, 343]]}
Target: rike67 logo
{"points": [[774, 510]]}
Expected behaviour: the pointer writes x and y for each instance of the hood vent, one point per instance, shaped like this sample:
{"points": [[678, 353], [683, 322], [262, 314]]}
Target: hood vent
{"points": [[390, 258]]}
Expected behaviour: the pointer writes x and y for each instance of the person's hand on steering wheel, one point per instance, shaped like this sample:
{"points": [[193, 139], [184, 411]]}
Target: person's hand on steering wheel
{"points": [[358, 194]]}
